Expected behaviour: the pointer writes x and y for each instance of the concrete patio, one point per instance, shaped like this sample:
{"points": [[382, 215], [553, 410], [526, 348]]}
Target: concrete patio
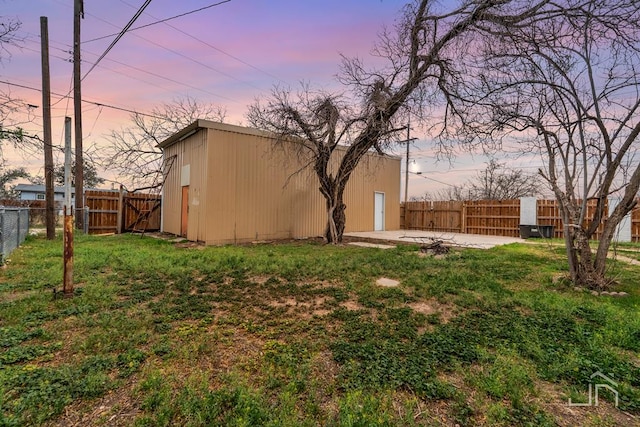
{"points": [[449, 239]]}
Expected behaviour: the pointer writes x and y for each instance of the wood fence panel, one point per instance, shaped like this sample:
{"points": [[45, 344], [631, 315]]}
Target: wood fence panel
{"points": [[549, 214], [447, 216], [103, 211], [432, 216], [136, 207], [493, 217]]}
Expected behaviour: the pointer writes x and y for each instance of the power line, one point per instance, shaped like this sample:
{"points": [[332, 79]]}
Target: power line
{"points": [[162, 20], [99, 104], [120, 35], [131, 76], [212, 46], [185, 57], [432, 179]]}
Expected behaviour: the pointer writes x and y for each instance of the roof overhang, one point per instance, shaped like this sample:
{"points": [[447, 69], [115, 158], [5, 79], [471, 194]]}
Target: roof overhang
{"points": [[208, 124]]}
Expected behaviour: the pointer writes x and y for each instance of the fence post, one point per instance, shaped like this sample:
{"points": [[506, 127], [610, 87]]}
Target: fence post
{"points": [[120, 210], [2, 233], [85, 224], [463, 219], [18, 212]]}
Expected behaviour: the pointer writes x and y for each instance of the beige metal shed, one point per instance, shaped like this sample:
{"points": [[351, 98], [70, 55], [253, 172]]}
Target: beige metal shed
{"points": [[231, 184]]}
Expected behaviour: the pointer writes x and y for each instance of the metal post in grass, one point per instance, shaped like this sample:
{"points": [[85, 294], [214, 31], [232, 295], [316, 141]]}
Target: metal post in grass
{"points": [[67, 286], [3, 235]]}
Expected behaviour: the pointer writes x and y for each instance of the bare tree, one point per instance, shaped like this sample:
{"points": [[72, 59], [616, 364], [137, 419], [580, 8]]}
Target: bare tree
{"points": [[419, 57], [8, 35], [499, 182], [454, 192], [496, 182], [7, 176], [568, 87], [11, 127], [133, 153]]}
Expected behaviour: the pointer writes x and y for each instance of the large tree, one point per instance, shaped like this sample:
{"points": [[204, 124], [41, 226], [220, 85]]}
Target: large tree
{"points": [[7, 177], [418, 57], [566, 86], [133, 153], [8, 35], [90, 175], [496, 182], [15, 113], [10, 129]]}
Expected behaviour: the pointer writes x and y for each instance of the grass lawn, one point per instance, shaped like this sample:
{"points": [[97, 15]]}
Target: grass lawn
{"points": [[300, 334]]}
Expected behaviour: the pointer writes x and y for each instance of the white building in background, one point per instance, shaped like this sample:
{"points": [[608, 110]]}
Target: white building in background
{"points": [[36, 192]]}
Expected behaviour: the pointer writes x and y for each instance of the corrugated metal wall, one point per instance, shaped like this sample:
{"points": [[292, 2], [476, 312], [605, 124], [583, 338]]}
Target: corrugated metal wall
{"points": [[189, 152], [253, 193]]}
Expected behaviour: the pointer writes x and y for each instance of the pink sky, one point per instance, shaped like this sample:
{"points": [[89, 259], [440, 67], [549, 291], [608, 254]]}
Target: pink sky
{"points": [[273, 42]]}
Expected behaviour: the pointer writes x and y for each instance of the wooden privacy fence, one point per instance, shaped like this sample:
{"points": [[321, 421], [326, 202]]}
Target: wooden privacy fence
{"points": [[490, 217], [113, 211]]}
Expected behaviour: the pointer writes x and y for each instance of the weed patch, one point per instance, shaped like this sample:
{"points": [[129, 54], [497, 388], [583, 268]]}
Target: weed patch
{"points": [[299, 334]]}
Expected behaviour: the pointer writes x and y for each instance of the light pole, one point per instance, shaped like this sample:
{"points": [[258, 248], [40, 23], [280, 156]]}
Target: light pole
{"points": [[406, 172]]}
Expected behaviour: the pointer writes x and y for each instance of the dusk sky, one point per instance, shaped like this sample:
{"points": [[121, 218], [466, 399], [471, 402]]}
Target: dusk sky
{"points": [[227, 54]]}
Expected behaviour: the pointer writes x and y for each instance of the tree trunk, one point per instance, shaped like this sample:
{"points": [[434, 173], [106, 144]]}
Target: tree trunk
{"points": [[586, 274], [336, 218], [583, 268], [625, 206]]}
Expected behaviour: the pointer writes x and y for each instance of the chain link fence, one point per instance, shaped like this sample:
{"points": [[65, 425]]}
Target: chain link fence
{"points": [[14, 226]]}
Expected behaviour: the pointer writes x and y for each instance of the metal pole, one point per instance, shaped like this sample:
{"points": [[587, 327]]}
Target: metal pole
{"points": [[406, 171], [67, 286], [3, 235], [46, 120]]}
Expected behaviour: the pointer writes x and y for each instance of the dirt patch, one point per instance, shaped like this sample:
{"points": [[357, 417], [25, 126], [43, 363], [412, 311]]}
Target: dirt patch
{"points": [[553, 400], [117, 408], [259, 280], [287, 302], [190, 245], [445, 312], [17, 296], [351, 305], [303, 309]]}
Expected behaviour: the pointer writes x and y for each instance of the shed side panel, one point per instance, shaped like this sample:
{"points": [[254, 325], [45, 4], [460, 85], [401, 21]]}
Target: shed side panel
{"points": [[189, 153], [194, 155], [171, 192], [221, 188]]}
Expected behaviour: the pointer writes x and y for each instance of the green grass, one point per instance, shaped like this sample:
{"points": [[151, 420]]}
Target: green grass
{"points": [[299, 334]]}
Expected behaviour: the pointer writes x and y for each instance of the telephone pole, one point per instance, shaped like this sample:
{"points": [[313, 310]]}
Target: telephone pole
{"points": [[50, 218], [78, 13]]}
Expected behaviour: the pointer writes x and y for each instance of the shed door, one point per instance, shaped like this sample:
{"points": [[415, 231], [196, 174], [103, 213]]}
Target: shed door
{"points": [[378, 206], [184, 215]]}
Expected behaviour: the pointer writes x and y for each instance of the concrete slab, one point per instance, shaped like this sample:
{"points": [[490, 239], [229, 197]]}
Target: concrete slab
{"points": [[449, 239], [387, 283], [372, 245]]}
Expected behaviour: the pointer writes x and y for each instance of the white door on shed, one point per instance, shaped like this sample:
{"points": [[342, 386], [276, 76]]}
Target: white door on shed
{"points": [[378, 206]]}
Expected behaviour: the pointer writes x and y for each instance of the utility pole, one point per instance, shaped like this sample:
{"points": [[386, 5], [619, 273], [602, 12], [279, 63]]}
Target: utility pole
{"points": [[67, 283], [78, 13], [50, 218], [406, 172]]}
